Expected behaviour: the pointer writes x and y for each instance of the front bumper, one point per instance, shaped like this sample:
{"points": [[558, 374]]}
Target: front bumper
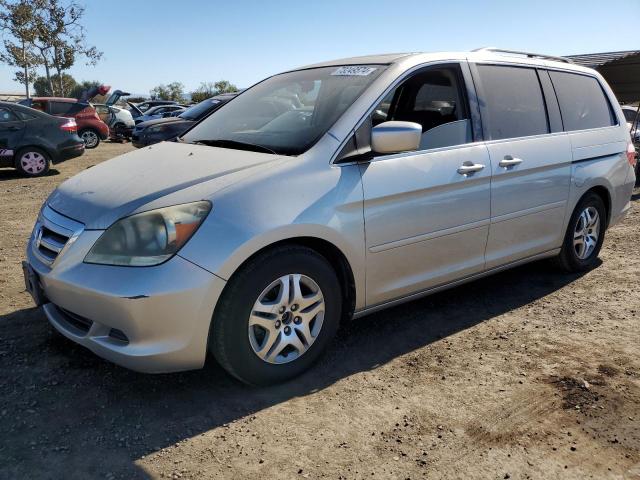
{"points": [[149, 319]]}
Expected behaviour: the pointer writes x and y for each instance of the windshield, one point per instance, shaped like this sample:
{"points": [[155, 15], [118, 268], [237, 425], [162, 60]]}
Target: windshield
{"points": [[286, 113], [199, 109]]}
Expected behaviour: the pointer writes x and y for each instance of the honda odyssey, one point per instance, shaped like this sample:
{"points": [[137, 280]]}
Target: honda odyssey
{"points": [[329, 192]]}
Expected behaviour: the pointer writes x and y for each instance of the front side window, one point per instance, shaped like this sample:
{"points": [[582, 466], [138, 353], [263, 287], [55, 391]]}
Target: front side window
{"points": [[287, 113], [435, 99], [582, 101], [513, 101]]}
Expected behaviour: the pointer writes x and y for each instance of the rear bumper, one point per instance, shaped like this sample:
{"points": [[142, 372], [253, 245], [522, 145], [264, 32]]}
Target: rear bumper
{"points": [[69, 152]]}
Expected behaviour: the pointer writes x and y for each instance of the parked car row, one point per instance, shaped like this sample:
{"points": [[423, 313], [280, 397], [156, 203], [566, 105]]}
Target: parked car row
{"points": [[168, 128], [91, 128]]}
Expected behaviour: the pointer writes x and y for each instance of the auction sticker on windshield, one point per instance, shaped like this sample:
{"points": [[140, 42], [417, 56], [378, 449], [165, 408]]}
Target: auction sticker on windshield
{"points": [[354, 70]]}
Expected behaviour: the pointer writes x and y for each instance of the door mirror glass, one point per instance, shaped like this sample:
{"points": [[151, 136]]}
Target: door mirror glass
{"points": [[394, 137]]}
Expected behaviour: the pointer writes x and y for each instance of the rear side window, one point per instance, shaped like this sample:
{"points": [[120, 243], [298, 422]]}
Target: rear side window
{"points": [[514, 105], [25, 116], [582, 101], [64, 108]]}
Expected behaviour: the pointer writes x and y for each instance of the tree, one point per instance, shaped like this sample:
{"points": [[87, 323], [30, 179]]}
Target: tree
{"points": [[209, 89], [44, 33], [59, 37], [173, 91], [79, 88], [16, 21], [63, 85]]}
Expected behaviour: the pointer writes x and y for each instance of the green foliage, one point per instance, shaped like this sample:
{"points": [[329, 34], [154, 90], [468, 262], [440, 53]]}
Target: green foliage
{"points": [[211, 89], [136, 99], [44, 33], [173, 91], [79, 88], [61, 87]]}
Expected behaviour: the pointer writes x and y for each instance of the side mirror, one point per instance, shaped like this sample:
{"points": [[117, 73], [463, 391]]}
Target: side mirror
{"points": [[394, 137]]}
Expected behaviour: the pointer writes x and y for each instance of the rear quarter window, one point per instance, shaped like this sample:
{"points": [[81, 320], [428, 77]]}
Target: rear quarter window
{"points": [[583, 103]]}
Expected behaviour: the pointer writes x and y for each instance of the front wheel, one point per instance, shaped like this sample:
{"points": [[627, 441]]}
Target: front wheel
{"points": [[585, 235], [90, 137], [276, 316]]}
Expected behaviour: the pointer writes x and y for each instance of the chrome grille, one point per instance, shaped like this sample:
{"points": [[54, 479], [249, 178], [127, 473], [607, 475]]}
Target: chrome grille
{"points": [[52, 234]]}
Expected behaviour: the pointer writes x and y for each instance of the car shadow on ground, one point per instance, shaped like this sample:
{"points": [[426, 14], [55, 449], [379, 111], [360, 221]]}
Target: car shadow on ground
{"points": [[64, 405], [13, 174]]}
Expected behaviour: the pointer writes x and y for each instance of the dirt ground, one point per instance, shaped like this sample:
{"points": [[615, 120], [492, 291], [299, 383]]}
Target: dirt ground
{"points": [[529, 374]]}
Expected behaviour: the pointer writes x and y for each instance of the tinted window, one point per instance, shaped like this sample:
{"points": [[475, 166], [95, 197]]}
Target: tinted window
{"points": [[200, 109], [61, 108], [629, 115], [514, 105], [582, 102], [25, 116], [6, 115]]}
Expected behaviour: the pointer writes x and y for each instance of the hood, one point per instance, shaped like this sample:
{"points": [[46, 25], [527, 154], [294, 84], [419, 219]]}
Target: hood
{"points": [[183, 173], [160, 121]]}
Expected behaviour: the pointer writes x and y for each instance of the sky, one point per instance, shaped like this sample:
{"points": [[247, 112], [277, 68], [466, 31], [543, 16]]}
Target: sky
{"points": [[149, 42]]}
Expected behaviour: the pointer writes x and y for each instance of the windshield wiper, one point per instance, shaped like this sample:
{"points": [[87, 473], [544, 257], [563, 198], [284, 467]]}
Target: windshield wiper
{"points": [[236, 145]]}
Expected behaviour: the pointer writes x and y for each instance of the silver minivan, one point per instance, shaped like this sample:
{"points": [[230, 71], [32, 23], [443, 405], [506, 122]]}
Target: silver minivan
{"points": [[325, 193]]}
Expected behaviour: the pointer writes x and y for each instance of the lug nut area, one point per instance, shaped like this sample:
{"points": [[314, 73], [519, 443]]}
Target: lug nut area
{"points": [[278, 324], [294, 307], [297, 320], [287, 330]]}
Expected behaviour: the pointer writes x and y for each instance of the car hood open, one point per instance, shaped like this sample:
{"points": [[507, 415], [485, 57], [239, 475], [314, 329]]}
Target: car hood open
{"points": [[143, 179]]}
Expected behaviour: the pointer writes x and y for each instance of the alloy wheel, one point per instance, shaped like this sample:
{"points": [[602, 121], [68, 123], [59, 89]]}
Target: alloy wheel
{"points": [[90, 138], [33, 162], [286, 318], [586, 233]]}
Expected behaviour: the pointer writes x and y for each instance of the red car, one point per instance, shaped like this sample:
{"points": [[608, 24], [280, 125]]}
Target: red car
{"points": [[90, 127]]}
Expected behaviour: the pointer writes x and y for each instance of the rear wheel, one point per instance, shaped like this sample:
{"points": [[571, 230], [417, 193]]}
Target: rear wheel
{"points": [[276, 316], [90, 137], [585, 235], [32, 162]]}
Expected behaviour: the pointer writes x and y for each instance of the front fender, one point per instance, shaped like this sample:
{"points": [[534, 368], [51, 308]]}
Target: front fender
{"points": [[324, 205]]}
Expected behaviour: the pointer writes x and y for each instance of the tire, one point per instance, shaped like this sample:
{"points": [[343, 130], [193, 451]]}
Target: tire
{"points": [[32, 162], [572, 257], [90, 137], [235, 338]]}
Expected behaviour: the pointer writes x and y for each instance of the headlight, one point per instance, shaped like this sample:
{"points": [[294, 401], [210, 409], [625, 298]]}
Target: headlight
{"points": [[148, 238]]}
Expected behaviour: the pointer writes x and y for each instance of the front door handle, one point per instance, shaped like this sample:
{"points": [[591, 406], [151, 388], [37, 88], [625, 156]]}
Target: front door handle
{"points": [[468, 168], [509, 161]]}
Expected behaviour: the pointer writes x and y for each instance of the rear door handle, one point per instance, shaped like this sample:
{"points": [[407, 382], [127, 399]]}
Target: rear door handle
{"points": [[509, 161], [469, 168]]}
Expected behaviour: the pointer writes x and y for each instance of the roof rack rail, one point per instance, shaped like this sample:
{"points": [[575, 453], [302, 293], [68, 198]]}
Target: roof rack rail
{"points": [[527, 54]]}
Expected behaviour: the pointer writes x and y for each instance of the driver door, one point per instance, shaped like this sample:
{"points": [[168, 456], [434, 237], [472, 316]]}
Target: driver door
{"points": [[426, 221]]}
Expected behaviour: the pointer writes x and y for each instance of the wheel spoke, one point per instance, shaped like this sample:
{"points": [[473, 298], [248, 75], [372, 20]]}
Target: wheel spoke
{"points": [[305, 333], [283, 294], [310, 300], [275, 348], [265, 323]]}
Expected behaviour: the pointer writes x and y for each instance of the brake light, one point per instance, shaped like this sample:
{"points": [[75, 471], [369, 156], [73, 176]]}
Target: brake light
{"points": [[631, 154], [69, 125]]}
